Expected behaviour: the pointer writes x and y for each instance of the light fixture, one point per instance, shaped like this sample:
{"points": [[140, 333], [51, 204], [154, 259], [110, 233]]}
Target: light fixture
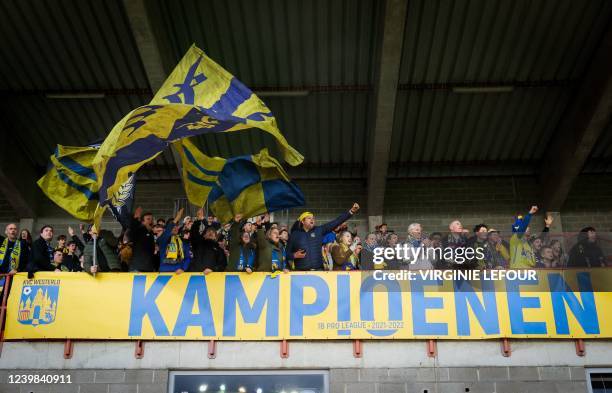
{"points": [[75, 96], [203, 388], [282, 93], [259, 390], [222, 387], [482, 89], [242, 389]]}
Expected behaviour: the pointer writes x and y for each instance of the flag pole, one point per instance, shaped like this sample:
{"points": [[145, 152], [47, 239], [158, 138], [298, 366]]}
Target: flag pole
{"points": [[95, 248]]}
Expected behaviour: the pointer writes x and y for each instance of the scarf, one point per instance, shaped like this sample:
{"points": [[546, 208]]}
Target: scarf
{"points": [[247, 255], [413, 241], [174, 250], [278, 259], [15, 253]]}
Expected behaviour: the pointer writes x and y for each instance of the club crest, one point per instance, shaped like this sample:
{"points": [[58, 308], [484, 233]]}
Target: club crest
{"points": [[38, 302]]}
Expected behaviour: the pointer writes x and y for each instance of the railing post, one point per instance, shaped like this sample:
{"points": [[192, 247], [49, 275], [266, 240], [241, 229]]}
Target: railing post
{"points": [[580, 347], [432, 348], [139, 349], [284, 349], [506, 348], [68, 349], [212, 349], [357, 348]]}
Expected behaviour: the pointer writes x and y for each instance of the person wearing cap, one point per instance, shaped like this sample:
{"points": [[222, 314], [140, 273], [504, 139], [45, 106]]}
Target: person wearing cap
{"points": [[521, 252], [306, 240]]}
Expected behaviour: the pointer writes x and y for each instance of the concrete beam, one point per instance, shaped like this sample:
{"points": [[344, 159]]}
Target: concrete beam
{"points": [[387, 81], [580, 129], [154, 50]]}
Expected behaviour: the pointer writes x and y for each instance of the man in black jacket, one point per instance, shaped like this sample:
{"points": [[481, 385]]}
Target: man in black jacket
{"points": [[13, 251], [208, 257], [141, 233], [42, 253]]}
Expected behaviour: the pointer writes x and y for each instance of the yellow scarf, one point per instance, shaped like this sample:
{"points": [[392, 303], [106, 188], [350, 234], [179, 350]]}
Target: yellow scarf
{"points": [[15, 253], [174, 250]]}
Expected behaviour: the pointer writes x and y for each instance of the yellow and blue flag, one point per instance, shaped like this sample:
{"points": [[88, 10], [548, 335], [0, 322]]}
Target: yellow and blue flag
{"points": [[71, 182], [198, 97], [198, 80], [199, 171], [247, 185]]}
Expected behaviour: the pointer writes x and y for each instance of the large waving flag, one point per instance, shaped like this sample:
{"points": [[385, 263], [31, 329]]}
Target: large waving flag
{"points": [[199, 171], [198, 97], [247, 185], [71, 182]]}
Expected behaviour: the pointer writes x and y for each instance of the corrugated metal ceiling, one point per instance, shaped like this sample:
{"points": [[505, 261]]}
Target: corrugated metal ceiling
{"points": [[330, 47], [542, 48], [279, 43]]}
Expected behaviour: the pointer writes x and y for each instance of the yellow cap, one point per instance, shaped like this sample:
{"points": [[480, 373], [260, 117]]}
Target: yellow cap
{"points": [[304, 215]]}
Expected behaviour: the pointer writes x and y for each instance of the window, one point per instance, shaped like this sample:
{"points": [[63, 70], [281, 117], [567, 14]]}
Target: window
{"points": [[599, 380], [298, 381]]}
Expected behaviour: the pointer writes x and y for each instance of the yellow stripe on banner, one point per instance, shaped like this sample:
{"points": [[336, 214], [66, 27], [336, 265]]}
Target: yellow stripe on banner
{"points": [[307, 305]]}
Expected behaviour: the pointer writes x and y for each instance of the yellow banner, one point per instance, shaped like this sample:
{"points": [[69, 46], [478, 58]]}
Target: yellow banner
{"points": [[310, 305]]}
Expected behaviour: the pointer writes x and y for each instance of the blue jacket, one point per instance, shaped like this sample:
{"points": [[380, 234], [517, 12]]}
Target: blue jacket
{"points": [[311, 243], [162, 242]]}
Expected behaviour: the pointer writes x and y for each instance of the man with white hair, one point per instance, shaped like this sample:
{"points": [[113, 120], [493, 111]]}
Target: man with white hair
{"points": [[456, 236], [415, 235], [417, 243]]}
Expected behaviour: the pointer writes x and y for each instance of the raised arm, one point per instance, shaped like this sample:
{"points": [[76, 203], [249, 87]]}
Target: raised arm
{"points": [[521, 225], [329, 226]]}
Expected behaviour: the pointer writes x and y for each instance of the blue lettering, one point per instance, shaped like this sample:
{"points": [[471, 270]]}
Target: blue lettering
{"points": [[367, 303], [298, 310], [234, 294], [344, 297], [144, 304], [561, 293], [420, 304], [486, 313], [516, 304], [196, 289]]}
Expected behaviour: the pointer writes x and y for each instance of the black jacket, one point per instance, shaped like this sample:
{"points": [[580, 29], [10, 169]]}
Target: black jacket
{"points": [[143, 248], [206, 253], [42, 253], [72, 263], [23, 256], [586, 254]]}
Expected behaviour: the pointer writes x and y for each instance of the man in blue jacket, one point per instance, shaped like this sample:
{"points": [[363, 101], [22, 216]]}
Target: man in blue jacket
{"points": [[304, 248]]}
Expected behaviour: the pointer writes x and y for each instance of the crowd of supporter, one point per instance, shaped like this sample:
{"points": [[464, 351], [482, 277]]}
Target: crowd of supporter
{"points": [[184, 244]]}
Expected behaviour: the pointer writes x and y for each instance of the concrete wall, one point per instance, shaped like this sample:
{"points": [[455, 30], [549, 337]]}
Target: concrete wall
{"points": [[386, 366]]}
